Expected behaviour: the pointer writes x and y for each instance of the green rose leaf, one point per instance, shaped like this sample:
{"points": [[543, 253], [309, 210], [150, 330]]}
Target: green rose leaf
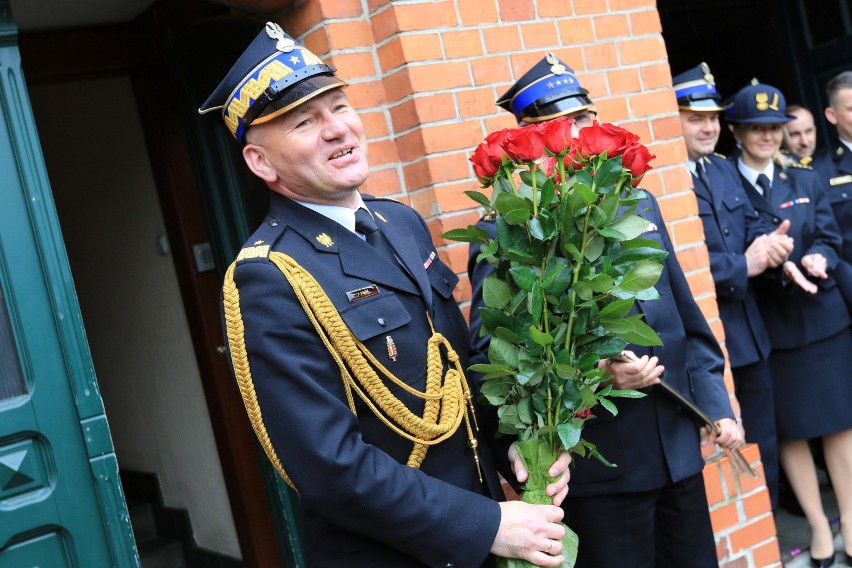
{"points": [[569, 434], [524, 277], [616, 309], [472, 234], [641, 276], [540, 337], [608, 174], [496, 293], [631, 226], [594, 248], [503, 352], [480, 198]]}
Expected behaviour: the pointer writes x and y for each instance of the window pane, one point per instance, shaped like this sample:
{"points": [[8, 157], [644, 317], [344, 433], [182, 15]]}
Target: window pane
{"points": [[11, 378]]}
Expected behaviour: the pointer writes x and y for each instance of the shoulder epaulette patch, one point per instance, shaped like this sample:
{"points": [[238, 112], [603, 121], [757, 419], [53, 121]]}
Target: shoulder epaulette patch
{"points": [[257, 251], [806, 160], [723, 156], [799, 165]]}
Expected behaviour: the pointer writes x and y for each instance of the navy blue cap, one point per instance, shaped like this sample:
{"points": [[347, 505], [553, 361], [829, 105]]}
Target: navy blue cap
{"points": [[548, 90], [695, 89], [758, 103], [273, 75]]}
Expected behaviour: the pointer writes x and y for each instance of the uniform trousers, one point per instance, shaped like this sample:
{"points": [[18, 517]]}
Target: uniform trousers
{"points": [[667, 527], [754, 390]]}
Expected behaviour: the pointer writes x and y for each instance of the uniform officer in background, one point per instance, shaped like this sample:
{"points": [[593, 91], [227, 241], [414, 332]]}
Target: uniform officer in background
{"points": [[348, 347], [834, 167], [800, 136], [635, 514], [741, 246], [808, 324]]}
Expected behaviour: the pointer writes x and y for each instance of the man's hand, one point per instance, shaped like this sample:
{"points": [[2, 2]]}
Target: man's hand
{"points": [[795, 275], [730, 434], [559, 488], [631, 372], [779, 244], [815, 264], [530, 532]]}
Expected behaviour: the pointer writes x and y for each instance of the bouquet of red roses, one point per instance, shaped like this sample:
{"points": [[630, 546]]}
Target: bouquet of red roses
{"points": [[570, 262]]}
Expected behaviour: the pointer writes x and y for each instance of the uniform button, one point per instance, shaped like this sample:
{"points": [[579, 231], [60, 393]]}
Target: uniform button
{"points": [[731, 289], [776, 220], [727, 232], [274, 223], [844, 195], [736, 198], [382, 322]]}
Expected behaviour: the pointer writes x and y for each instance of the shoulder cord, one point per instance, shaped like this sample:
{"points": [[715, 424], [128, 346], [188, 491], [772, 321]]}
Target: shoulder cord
{"points": [[445, 404]]}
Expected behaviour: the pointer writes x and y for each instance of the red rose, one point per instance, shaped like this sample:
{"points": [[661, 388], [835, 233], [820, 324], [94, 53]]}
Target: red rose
{"points": [[636, 158], [524, 145], [609, 138], [557, 134], [488, 156], [583, 413]]}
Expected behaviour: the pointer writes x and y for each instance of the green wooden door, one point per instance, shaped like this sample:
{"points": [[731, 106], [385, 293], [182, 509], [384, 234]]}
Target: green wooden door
{"points": [[61, 502]]}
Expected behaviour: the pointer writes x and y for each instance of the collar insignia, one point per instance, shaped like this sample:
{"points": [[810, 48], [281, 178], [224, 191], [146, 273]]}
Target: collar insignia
{"points": [[379, 215], [325, 240], [782, 175]]}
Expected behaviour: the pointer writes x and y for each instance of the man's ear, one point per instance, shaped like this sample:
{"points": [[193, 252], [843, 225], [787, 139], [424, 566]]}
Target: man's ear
{"points": [[829, 115], [255, 157]]}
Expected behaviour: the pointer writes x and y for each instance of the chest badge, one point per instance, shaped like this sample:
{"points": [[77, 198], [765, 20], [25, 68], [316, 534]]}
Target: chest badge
{"points": [[391, 348], [325, 240], [361, 293]]}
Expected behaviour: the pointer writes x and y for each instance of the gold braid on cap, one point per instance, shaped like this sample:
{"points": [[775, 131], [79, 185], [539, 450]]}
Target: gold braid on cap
{"points": [[447, 398]]}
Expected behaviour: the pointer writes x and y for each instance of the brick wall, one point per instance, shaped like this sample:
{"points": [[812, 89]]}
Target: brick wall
{"points": [[425, 75]]}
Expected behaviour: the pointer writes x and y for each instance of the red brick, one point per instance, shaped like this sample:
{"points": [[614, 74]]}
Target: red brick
{"points": [[612, 26], [349, 35], [767, 554], [693, 258], [623, 81], [642, 23], [425, 16], [724, 517], [353, 64], [572, 56], [317, 41], [382, 182], [618, 5], [462, 135], [374, 5], [677, 179], [575, 30], [435, 169], [667, 127], [751, 534], [668, 153], [757, 504], [424, 203], [712, 484], [656, 75], [642, 50], [382, 152], [503, 39], [474, 12], [439, 76], [590, 7], [490, 70], [451, 197], [340, 8], [398, 84], [366, 94], [462, 291], [304, 18], [375, 124], [540, 35], [385, 24], [466, 43], [476, 102], [679, 206], [600, 55], [701, 283], [596, 84], [653, 103], [455, 256], [516, 10], [553, 8], [708, 307], [411, 145]]}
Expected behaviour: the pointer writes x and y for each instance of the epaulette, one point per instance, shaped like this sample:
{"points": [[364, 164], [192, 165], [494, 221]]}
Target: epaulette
{"points": [[806, 161], [723, 156], [374, 198], [799, 165], [261, 241]]}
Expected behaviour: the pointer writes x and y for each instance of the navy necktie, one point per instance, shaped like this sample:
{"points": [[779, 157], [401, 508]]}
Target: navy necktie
{"points": [[365, 225], [702, 175], [763, 182]]}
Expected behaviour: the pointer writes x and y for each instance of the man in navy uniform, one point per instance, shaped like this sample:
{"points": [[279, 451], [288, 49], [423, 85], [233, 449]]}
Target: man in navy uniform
{"points": [[800, 135], [834, 167], [740, 246], [350, 352], [652, 508]]}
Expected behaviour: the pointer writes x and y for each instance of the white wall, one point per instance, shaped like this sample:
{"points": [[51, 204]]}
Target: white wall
{"points": [[104, 191]]}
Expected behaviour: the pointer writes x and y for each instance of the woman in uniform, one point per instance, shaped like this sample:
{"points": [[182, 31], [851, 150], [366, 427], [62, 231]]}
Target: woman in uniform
{"points": [[808, 322]]}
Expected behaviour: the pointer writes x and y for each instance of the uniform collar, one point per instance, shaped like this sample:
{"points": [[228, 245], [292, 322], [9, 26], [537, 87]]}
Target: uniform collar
{"points": [[342, 215], [751, 175]]}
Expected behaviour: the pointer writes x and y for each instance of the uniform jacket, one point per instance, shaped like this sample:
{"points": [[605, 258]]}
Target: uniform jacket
{"points": [[793, 317], [834, 168], [730, 226], [652, 440], [362, 506]]}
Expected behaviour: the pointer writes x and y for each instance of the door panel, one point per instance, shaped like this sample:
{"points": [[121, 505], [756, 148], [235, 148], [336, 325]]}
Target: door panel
{"points": [[60, 499]]}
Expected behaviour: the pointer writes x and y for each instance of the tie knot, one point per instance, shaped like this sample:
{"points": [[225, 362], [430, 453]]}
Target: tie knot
{"points": [[763, 182], [364, 222]]}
